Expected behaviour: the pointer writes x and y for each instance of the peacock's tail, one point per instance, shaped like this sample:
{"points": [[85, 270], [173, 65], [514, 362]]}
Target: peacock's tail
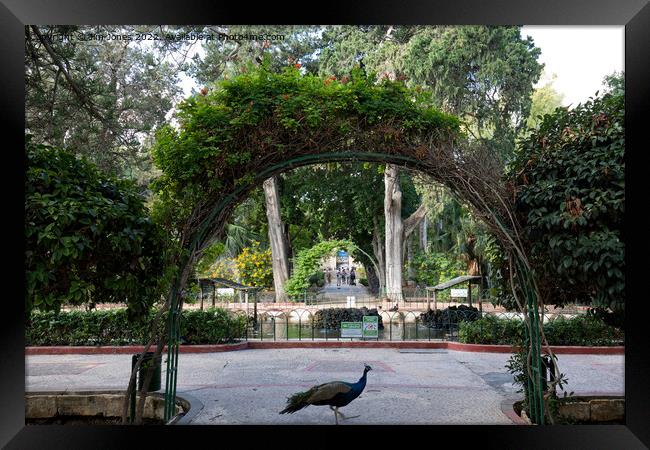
{"points": [[297, 401]]}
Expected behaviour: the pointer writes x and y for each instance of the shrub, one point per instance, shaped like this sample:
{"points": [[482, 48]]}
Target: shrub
{"points": [[108, 327], [492, 330], [255, 267], [332, 317], [112, 327], [364, 281], [213, 326], [88, 237], [580, 330], [569, 180], [452, 315]]}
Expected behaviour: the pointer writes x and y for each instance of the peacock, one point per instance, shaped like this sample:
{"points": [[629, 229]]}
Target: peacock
{"points": [[336, 394]]}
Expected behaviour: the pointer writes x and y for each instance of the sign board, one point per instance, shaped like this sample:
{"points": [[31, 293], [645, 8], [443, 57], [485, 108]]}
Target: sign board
{"points": [[350, 329], [371, 327], [459, 293], [225, 291]]}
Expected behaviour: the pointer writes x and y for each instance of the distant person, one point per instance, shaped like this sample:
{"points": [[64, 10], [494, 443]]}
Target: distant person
{"points": [[345, 276], [328, 275], [353, 277], [338, 278]]}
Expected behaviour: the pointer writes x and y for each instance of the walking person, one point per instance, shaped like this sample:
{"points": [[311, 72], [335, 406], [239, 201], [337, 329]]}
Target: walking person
{"points": [[328, 275], [353, 276], [338, 278]]}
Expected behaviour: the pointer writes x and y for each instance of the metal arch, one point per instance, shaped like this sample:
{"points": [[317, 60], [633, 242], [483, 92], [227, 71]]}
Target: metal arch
{"points": [[532, 334]]}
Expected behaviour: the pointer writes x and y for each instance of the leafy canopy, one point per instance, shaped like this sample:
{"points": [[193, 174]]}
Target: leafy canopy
{"points": [[258, 118]]}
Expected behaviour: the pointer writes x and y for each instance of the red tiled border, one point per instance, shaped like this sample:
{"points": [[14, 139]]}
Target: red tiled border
{"points": [[107, 350]]}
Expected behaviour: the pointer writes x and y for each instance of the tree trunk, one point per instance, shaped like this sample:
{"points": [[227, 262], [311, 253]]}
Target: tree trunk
{"points": [[378, 250], [373, 281], [410, 225], [277, 238], [424, 243], [394, 232], [410, 252]]}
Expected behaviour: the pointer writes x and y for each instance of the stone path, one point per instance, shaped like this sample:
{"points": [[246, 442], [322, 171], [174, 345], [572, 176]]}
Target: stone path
{"points": [[333, 291], [407, 386]]}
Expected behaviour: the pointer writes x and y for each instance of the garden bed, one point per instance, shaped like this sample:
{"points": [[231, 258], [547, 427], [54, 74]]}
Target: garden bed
{"points": [[583, 410]]}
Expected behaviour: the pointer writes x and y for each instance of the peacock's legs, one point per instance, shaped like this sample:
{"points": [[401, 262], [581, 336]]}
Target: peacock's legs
{"points": [[346, 417], [336, 413], [339, 413]]}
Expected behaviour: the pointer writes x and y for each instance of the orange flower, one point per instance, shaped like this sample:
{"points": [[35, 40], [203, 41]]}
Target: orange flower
{"points": [[297, 65]]}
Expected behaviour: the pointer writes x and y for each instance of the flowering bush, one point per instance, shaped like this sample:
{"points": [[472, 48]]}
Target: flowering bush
{"points": [[223, 268], [254, 266]]}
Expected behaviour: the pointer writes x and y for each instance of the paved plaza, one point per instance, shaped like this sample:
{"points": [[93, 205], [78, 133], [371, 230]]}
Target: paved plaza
{"points": [[406, 386]]}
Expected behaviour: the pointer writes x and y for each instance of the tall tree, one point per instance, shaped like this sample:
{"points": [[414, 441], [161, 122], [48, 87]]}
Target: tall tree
{"points": [[277, 239], [98, 98], [394, 230], [544, 100]]}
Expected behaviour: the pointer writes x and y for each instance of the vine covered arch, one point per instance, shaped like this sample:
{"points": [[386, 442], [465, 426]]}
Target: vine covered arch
{"points": [[308, 261], [260, 124]]}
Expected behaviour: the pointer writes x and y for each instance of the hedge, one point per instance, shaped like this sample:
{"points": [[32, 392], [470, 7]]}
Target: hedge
{"points": [[579, 330], [112, 327]]}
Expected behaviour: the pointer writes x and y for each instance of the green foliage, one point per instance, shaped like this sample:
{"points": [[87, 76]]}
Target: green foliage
{"points": [[113, 327], [545, 100], [363, 281], [317, 279], [471, 70], [88, 237], [225, 135], [104, 327], [113, 93], [492, 330], [307, 264], [332, 317], [209, 257], [579, 330], [433, 268], [570, 184], [453, 315], [212, 326], [518, 367]]}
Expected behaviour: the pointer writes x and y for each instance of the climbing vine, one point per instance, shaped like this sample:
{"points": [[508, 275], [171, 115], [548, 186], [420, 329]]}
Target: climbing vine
{"points": [[308, 262]]}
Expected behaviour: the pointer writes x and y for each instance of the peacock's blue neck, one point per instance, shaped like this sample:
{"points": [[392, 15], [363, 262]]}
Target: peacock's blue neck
{"points": [[362, 382]]}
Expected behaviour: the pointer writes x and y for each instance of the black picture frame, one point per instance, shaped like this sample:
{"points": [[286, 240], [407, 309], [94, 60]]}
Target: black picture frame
{"points": [[15, 14]]}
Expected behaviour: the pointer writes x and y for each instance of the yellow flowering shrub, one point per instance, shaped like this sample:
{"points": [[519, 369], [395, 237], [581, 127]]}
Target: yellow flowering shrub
{"points": [[254, 266]]}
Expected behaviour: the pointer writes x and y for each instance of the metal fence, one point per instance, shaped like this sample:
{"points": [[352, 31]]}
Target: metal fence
{"points": [[443, 325]]}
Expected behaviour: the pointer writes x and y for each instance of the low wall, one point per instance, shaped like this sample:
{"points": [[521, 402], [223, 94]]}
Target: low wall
{"points": [[92, 404], [131, 349]]}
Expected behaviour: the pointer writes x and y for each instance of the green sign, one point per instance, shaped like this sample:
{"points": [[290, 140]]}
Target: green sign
{"points": [[371, 327], [351, 329]]}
